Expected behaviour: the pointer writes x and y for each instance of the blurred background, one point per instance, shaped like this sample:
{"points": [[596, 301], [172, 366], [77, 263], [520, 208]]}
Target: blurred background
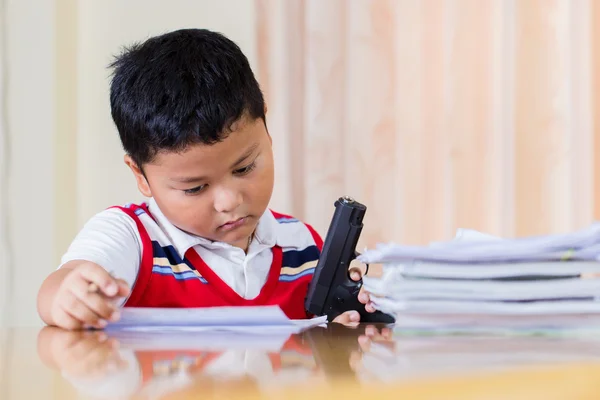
{"points": [[436, 114]]}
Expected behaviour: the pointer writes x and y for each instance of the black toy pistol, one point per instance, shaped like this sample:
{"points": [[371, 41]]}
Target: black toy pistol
{"points": [[331, 290]]}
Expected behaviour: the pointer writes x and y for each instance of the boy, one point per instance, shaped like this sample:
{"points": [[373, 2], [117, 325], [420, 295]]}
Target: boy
{"points": [[191, 118]]}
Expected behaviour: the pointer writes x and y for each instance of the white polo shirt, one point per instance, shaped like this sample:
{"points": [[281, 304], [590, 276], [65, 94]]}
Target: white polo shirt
{"points": [[111, 240]]}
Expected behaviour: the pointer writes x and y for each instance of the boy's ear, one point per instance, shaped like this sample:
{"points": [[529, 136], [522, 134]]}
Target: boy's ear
{"points": [[270, 138], [142, 182]]}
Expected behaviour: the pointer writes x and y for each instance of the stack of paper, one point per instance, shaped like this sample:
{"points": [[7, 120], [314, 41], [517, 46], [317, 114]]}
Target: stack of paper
{"points": [[544, 282], [252, 319]]}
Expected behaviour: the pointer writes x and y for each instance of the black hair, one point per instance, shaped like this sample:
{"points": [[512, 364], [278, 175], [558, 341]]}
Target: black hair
{"points": [[181, 88]]}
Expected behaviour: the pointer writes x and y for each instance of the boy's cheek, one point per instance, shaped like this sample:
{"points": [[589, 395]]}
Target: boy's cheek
{"points": [[192, 218]]}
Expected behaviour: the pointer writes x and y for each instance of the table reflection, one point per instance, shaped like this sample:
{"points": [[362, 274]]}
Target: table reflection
{"points": [[151, 365], [124, 364]]}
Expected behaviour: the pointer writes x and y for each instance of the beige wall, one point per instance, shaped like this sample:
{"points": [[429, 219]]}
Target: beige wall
{"points": [[65, 161], [30, 134]]}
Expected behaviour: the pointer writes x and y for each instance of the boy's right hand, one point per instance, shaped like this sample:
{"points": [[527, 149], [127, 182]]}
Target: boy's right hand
{"points": [[87, 297]]}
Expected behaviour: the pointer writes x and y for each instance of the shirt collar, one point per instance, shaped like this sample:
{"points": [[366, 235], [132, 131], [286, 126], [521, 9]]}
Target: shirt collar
{"points": [[265, 233]]}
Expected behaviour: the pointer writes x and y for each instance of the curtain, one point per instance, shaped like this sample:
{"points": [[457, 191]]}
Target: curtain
{"points": [[436, 114]]}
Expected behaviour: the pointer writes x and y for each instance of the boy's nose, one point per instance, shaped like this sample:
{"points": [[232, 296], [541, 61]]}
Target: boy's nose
{"points": [[227, 200]]}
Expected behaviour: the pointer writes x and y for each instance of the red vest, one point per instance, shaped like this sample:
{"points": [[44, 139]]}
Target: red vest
{"points": [[160, 364], [166, 280]]}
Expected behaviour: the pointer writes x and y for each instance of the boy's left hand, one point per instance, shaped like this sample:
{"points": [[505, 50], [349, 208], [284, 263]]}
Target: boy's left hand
{"points": [[352, 317]]}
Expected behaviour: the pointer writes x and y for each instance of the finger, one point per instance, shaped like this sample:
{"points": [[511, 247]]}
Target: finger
{"points": [[124, 288], [370, 308], [100, 277], [85, 347], [116, 362], [100, 357], [382, 338], [95, 360], [112, 342], [97, 302], [99, 336], [121, 363], [348, 318], [371, 331], [378, 335], [355, 273], [386, 333], [80, 311], [363, 297], [375, 345], [365, 343], [355, 360]]}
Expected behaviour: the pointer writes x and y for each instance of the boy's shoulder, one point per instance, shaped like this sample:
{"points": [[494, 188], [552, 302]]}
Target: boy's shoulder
{"points": [[136, 208], [293, 231], [284, 218]]}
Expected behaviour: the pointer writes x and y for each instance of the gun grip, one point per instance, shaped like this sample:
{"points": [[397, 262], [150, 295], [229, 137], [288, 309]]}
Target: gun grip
{"points": [[346, 298]]}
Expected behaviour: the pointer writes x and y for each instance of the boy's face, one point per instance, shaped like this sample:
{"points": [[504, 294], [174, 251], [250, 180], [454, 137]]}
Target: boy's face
{"points": [[218, 191]]}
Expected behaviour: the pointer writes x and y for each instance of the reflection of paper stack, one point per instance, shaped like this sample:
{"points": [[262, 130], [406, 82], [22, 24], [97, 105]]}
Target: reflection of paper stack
{"points": [[417, 357], [545, 283]]}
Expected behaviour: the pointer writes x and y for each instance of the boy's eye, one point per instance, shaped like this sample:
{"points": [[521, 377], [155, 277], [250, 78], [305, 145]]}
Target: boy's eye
{"points": [[245, 170], [194, 190]]}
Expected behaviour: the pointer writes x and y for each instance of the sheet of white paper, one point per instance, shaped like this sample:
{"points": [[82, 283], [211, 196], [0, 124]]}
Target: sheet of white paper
{"points": [[471, 235], [489, 271], [401, 308], [466, 235], [583, 244], [485, 290], [254, 319]]}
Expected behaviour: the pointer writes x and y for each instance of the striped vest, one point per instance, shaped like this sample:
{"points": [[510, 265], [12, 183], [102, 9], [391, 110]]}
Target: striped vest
{"points": [[167, 366], [166, 280]]}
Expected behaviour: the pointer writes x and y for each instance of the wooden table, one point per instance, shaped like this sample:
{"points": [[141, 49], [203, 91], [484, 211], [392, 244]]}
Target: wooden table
{"points": [[337, 362]]}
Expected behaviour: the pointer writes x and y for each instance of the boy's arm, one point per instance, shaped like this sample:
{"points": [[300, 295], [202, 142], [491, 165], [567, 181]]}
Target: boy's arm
{"points": [[108, 246], [111, 240]]}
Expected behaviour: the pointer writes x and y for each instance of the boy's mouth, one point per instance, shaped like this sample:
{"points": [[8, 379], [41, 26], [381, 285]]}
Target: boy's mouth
{"points": [[233, 224]]}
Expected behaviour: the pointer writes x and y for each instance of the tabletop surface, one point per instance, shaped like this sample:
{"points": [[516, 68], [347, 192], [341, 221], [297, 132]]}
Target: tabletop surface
{"points": [[333, 362]]}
